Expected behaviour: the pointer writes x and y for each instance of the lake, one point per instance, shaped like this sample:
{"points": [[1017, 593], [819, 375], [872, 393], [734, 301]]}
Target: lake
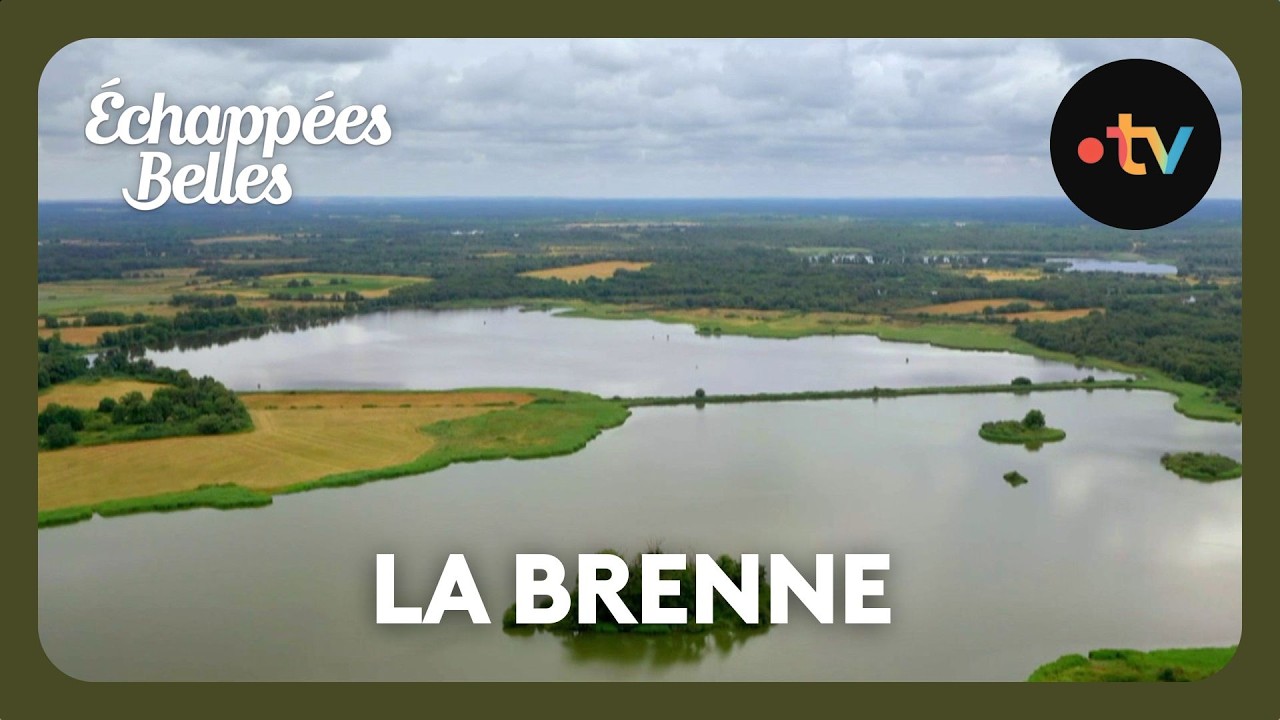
{"points": [[1128, 267], [421, 349], [1102, 547]]}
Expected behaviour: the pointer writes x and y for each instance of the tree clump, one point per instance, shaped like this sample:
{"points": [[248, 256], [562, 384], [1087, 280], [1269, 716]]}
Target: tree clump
{"points": [[1031, 431]]}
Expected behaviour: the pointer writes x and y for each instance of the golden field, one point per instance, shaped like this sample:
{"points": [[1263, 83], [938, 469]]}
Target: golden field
{"points": [[1051, 315], [79, 335], [1004, 274], [577, 273], [369, 286], [970, 307], [296, 437], [87, 394]]}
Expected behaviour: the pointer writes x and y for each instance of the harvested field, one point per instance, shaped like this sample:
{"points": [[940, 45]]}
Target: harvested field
{"points": [[971, 307], [296, 437], [1051, 315], [577, 273], [1005, 274], [80, 335], [87, 394]]}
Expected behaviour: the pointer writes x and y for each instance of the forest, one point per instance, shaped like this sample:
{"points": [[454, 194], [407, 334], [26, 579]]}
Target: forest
{"points": [[1198, 342]]}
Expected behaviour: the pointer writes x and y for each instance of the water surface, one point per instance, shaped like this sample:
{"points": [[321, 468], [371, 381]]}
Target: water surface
{"points": [[422, 349], [1102, 548], [1127, 267]]}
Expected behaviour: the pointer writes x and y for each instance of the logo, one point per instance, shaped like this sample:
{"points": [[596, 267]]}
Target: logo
{"points": [[1135, 144]]}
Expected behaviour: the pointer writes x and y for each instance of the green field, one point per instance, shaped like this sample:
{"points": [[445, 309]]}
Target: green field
{"points": [[782, 325], [151, 295], [119, 294], [1179, 665]]}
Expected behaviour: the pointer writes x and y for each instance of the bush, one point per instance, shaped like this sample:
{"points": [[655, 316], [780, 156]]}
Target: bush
{"points": [[1022, 381], [55, 414], [208, 424], [1034, 420], [59, 435], [700, 393], [106, 405]]}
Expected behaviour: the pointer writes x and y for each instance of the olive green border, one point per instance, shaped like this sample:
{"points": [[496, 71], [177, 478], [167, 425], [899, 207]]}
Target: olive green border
{"points": [[31, 32]]}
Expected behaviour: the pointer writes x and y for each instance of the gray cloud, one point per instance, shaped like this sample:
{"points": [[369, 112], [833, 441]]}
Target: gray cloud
{"points": [[631, 117]]}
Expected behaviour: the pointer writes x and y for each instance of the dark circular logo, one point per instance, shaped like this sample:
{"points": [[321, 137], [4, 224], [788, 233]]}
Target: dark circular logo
{"points": [[1135, 144]]}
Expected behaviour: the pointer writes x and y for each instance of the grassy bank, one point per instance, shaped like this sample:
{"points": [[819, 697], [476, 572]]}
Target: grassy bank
{"points": [[554, 423], [878, 392], [221, 497], [1178, 665], [300, 434], [1194, 401]]}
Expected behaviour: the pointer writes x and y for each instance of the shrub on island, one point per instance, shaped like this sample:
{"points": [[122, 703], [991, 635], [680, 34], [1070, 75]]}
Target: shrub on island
{"points": [[1031, 430]]}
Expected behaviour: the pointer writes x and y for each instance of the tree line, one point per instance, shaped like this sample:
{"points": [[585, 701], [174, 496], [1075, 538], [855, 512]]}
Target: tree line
{"points": [[180, 404], [1198, 342]]}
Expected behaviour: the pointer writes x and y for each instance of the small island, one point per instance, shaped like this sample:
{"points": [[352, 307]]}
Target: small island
{"points": [[1205, 467], [1015, 478], [1030, 431], [724, 618]]}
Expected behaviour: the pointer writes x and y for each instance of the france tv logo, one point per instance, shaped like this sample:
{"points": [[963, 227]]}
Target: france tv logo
{"points": [[1124, 132], [1122, 173]]}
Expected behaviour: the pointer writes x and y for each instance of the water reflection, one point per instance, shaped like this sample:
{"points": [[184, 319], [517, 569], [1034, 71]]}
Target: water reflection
{"points": [[474, 348], [1102, 548], [654, 651]]}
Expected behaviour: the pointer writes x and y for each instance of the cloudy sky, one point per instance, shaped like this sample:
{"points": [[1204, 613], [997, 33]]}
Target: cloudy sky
{"points": [[628, 118]]}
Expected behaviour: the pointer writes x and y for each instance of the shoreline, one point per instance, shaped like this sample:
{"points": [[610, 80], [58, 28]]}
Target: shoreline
{"points": [[1193, 400], [574, 433]]}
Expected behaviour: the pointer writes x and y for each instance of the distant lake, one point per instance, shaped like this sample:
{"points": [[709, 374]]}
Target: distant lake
{"points": [[1101, 548], [1128, 267], [421, 349]]}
